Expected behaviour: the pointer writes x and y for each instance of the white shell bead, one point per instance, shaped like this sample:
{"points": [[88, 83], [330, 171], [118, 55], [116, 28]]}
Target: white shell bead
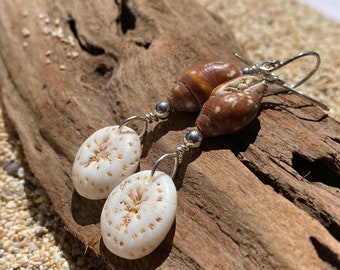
{"points": [[104, 160], [138, 214]]}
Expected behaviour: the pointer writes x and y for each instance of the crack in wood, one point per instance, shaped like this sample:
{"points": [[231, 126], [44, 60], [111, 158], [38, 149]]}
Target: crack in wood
{"points": [[83, 43], [331, 259], [316, 171], [125, 19], [291, 194]]}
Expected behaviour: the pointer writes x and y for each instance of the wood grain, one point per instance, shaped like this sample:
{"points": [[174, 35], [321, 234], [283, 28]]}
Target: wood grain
{"points": [[267, 197]]}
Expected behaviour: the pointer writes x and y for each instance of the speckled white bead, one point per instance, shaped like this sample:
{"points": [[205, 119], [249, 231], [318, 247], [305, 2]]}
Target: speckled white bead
{"points": [[138, 214], [104, 160]]}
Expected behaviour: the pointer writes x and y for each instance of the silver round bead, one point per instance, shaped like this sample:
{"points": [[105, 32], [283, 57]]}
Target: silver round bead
{"points": [[162, 109], [193, 138], [246, 71]]}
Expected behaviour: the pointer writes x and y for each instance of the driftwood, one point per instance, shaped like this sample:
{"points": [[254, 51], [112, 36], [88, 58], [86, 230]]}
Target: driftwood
{"points": [[267, 197]]}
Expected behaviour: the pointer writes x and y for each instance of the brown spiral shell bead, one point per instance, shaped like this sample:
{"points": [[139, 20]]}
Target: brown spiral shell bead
{"points": [[196, 85], [231, 107]]}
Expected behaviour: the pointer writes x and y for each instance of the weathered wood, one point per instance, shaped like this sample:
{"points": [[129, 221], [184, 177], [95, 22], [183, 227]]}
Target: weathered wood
{"points": [[267, 197]]}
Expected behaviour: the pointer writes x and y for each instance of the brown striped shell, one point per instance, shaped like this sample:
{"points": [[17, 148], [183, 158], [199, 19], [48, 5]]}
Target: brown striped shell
{"points": [[196, 85], [231, 107]]}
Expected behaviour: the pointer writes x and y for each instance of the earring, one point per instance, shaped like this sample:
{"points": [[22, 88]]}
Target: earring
{"points": [[112, 153], [234, 104], [140, 211]]}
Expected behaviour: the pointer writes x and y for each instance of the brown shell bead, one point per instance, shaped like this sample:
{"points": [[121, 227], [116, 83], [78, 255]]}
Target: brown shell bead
{"points": [[232, 106], [196, 85]]}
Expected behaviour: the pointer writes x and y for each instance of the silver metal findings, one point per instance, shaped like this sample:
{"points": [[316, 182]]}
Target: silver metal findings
{"points": [[161, 112], [266, 69], [192, 139]]}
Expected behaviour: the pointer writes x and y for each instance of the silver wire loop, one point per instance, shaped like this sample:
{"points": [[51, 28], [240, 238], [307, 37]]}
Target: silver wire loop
{"points": [[192, 139], [134, 118], [161, 112], [177, 154], [165, 156], [313, 70], [266, 69]]}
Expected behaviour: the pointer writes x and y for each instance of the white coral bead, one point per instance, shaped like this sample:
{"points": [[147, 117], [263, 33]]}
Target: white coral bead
{"points": [[104, 160], [138, 214]]}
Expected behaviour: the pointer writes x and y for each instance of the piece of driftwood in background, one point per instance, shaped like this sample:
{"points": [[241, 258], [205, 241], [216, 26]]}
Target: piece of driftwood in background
{"points": [[267, 197]]}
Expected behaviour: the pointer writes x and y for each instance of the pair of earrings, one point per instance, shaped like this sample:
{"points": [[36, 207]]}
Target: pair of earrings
{"points": [[140, 207]]}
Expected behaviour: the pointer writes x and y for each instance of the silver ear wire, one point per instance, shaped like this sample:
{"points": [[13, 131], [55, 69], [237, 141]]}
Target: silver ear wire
{"points": [[300, 55], [266, 69]]}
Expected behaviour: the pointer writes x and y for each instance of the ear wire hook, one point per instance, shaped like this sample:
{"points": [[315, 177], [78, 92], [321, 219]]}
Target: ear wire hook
{"points": [[267, 67], [300, 55]]}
